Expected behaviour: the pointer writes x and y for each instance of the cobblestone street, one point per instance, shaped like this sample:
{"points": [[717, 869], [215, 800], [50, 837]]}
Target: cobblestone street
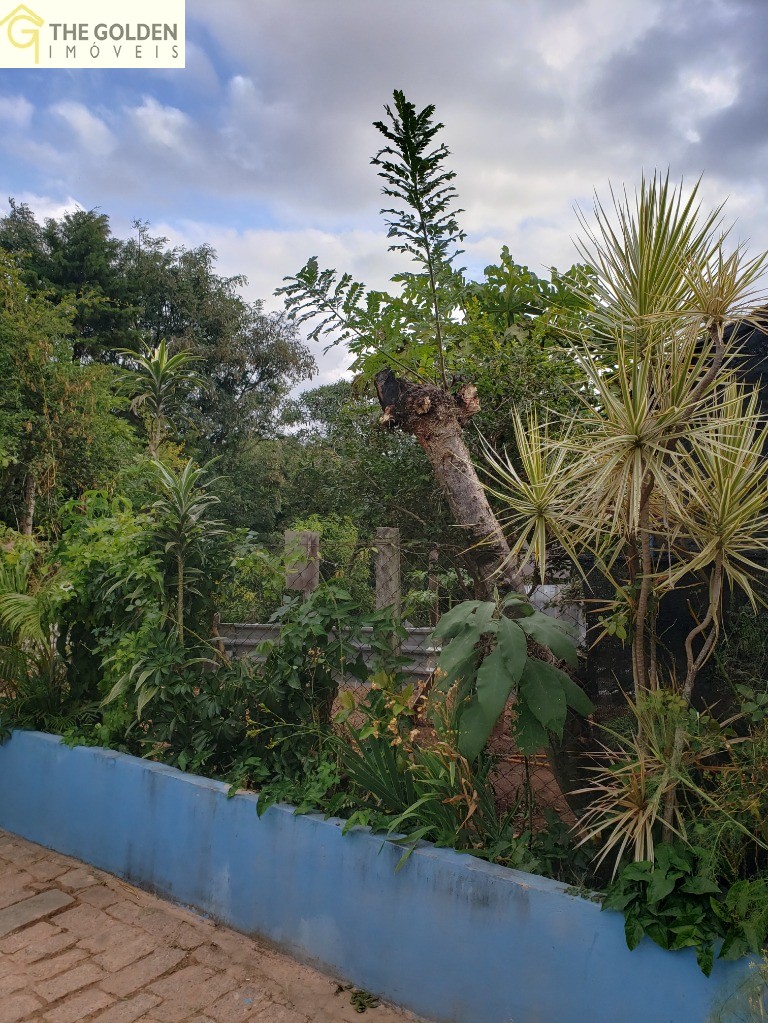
{"points": [[77, 944]]}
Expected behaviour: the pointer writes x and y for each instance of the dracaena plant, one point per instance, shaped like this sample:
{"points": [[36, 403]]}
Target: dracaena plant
{"points": [[157, 382], [661, 476], [185, 528]]}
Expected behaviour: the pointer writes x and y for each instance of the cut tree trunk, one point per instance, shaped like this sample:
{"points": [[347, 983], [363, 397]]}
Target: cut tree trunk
{"points": [[436, 419]]}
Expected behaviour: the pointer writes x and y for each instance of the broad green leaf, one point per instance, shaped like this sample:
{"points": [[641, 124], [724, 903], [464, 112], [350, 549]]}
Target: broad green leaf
{"points": [[529, 734], [483, 618], [451, 622], [494, 684], [734, 947], [685, 937], [541, 690], [618, 900], [661, 885], [705, 957], [660, 933], [639, 871], [550, 632], [633, 931], [459, 655], [667, 856], [575, 697], [520, 603], [699, 885], [754, 933], [513, 647]]}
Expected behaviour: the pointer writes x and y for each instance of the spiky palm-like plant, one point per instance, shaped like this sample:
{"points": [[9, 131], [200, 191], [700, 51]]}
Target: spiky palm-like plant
{"points": [[158, 381], [662, 476]]}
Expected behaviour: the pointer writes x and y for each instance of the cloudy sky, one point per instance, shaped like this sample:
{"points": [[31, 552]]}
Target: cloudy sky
{"points": [[262, 145]]}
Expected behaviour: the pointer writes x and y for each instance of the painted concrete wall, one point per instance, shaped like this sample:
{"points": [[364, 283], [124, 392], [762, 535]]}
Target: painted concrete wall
{"points": [[450, 937]]}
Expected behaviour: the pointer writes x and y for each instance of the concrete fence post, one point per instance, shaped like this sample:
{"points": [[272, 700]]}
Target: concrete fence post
{"points": [[302, 560], [388, 580]]}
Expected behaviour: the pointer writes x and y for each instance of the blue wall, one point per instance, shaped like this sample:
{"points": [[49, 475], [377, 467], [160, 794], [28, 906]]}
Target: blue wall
{"points": [[450, 937]]}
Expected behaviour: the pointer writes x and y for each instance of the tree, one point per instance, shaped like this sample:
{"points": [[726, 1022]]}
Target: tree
{"points": [[250, 358], [338, 460], [123, 292], [59, 431], [405, 343]]}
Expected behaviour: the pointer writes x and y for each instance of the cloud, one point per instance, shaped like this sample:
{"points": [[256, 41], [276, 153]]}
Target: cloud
{"points": [[164, 126], [43, 206], [263, 146], [92, 133], [16, 110]]}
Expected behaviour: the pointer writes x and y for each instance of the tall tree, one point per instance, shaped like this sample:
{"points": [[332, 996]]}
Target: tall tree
{"points": [[413, 345], [59, 433], [124, 292], [250, 358]]}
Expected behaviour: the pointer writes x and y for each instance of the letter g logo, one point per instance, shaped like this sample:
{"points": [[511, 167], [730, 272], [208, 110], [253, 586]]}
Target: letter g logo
{"points": [[22, 27]]}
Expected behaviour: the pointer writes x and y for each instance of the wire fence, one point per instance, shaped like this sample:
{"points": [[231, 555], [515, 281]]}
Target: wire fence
{"points": [[419, 582]]}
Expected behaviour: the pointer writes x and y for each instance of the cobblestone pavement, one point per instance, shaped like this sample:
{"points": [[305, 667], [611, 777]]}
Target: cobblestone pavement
{"points": [[77, 944]]}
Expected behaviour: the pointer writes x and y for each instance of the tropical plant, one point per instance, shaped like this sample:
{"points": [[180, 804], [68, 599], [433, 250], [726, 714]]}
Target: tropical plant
{"points": [[158, 382], [676, 902], [184, 527], [422, 789], [734, 826], [660, 478], [318, 651], [670, 900], [485, 656], [631, 790], [110, 557], [30, 602]]}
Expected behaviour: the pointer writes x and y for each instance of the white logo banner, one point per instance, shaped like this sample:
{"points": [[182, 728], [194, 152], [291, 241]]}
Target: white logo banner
{"points": [[92, 34]]}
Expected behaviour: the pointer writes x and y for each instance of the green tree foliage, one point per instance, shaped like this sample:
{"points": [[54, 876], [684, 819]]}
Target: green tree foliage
{"points": [[120, 293], [344, 554], [338, 460], [59, 428], [250, 358], [512, 338], [74, 261]]}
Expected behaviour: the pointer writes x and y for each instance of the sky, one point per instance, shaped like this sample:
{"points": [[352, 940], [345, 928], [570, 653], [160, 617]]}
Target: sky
{"points": [[261, 146]]}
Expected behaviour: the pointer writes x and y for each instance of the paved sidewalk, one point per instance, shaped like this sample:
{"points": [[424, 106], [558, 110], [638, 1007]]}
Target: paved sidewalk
{"points": [[77, 944]]}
